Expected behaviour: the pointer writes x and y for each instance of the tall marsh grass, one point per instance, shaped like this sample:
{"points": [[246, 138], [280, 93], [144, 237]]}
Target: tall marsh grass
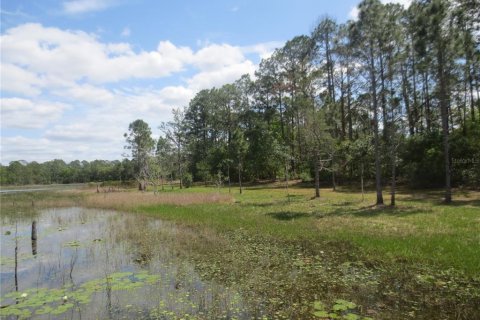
{"points": [[131, 200]]}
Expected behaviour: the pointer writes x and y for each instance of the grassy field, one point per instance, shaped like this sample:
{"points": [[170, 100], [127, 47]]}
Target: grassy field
{"points": [[419, 229], [418, 260]]}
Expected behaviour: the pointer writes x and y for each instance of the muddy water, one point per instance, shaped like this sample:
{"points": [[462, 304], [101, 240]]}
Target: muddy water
{"points": [[77, 263]]}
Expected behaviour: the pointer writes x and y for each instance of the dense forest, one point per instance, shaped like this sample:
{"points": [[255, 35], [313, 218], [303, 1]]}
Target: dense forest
{"points": [[390, 98], [57, 172]]}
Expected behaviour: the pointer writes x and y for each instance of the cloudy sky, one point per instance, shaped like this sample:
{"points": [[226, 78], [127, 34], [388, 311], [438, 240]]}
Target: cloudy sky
{"points": [[75, 73]]}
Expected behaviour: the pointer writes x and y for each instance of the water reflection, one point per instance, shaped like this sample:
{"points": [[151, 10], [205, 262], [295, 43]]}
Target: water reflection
{"points": [[102, 264]]}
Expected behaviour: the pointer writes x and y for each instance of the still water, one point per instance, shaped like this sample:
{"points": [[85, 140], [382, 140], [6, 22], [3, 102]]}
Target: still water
{"points": [[76, 263]]}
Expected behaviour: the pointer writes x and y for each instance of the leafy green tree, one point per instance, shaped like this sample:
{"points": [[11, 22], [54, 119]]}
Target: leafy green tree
{"points": [[239, 147], [320, 144], [175, 132], [140, 143], [367, 31]]}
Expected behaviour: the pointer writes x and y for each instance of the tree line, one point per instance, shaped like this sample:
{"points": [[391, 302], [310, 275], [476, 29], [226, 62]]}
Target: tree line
{"points": [[391, 97], [59, 172]]}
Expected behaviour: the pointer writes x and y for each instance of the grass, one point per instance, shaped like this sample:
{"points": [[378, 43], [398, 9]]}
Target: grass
{"points": [[419, 259], [419, 229]]}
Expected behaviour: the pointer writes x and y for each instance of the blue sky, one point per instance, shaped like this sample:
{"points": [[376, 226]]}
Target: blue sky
{"points": [[75, 73]]}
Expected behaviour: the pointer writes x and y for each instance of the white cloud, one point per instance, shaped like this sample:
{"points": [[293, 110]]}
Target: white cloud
{"points": [[63, 57], [84, 6], [353, 14], [264, 50], [217, 56], [87, 95], [404, 3], [81, 132], [75, 55], [26, 114], [80, 93], [217, 78], [43, 149], [18, 147], [176, 96], [20, 81]]}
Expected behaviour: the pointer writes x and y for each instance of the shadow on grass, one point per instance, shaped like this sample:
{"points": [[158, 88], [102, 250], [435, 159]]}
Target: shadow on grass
{"points": [[288, 215], [273, 202], [435, 197], [373, 211], [463, 202]]}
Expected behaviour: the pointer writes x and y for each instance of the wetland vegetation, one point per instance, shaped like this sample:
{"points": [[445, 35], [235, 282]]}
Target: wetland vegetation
{"points": [[257, 198], [204, 253]]}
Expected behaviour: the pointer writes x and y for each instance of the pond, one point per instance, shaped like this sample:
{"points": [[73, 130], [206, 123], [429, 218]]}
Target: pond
{"points": [[76, 263]]}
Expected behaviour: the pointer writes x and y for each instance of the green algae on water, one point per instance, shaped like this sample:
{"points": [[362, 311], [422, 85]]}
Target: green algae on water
{"points": [[40, 301]]}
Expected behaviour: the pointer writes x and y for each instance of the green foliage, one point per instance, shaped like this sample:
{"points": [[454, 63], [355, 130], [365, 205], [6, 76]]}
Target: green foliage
{"points": [[57, 301], [465, 151], [187, 180], [423, 160], [342, 309], [57, 171], [305, 176], [397, 78]]}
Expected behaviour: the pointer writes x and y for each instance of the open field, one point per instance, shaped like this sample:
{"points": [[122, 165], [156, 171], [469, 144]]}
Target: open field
{"points": [[419, 228], [419, 260]]}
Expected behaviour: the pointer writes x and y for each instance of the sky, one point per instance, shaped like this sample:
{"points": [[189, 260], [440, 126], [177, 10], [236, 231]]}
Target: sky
{"points": [[75, 73]]}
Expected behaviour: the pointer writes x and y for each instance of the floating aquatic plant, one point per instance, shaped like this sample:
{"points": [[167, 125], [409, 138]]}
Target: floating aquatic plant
{"points": [[57, 301], [342, 309], [72, 244]]}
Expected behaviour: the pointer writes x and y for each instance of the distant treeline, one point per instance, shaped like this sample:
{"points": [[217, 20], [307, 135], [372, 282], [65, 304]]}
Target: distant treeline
{"points": [[58, 171], [392, 97]]}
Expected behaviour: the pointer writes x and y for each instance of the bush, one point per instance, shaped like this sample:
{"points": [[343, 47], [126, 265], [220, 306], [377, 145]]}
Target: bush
{"points": [[187, 180], [305, 176], [423, 161]]}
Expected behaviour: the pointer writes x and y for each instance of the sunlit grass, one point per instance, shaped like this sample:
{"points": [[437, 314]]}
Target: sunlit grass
{"points": [[420, 229], [390, 260]]}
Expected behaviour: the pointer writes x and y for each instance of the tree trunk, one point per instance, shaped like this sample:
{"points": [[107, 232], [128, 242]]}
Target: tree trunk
{"points": [[361, 182], [16, 258], [229, 183], [240, 176], [383, 98], [414, 83], [317, 178], [469, 67], [444, 113], [393, 185], [286, 181], [180, 173], [378, 173], [342, 107], [282, 126], [334, 183], [349, 107], [34, 238], [428, 116], [406, 99]]}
